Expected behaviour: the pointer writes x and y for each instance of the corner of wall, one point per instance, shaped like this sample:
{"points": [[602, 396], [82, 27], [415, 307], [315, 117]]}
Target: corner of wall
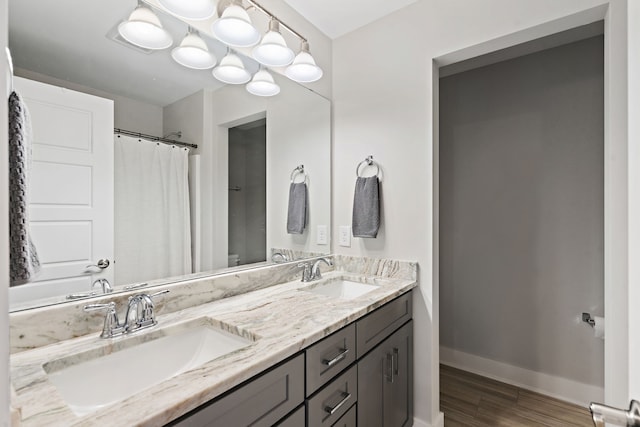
{"points": [[4, 225]]}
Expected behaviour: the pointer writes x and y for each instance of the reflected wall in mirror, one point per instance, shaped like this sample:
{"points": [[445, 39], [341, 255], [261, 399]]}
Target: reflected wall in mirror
{"points": [[68, 44]]}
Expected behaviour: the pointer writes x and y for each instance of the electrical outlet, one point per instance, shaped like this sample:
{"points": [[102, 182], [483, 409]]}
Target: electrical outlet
{"points": [[322, 235], [345, 236]]}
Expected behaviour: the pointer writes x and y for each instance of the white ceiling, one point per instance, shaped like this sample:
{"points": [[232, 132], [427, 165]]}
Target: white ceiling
{"points": [[336, 18]]}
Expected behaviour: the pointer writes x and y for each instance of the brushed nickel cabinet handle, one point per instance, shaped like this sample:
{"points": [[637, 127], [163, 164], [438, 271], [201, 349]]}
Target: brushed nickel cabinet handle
{"points": [[339, 357], [389, 368], [331, 411], [395, 361]]}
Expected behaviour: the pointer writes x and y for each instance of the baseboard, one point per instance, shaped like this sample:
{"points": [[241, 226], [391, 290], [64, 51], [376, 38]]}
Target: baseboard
{"points": [[558, 387], [439, 422]]}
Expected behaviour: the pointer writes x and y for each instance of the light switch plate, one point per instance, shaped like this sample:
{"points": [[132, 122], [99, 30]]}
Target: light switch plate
{"points": [[322, 235], [345, 236]]}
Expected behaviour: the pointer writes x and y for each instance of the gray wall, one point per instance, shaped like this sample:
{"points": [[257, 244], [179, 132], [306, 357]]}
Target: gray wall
{"points": [[521, 210]]}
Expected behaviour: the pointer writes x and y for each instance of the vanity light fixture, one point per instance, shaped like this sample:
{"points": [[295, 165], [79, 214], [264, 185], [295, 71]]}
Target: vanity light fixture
{"points": [[234, 26], [193, 53], [196, 10], [231, 70], [144, 29], [304, 68], [262, 84], [273, 50]]}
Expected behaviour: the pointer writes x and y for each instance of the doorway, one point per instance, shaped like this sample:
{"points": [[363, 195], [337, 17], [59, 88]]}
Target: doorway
{"points": [[521, 215], [247, 193]]}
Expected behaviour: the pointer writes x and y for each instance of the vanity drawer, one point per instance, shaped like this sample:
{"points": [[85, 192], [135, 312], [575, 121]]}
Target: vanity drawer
{"points": [[348, 419], [375, 327], [333, 401], [262, 401], [329, 357]]}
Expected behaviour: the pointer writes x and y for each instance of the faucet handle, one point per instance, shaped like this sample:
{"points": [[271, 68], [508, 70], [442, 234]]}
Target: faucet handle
{"points": [[94, 307], [111, 327], [164, 291], [306, 271]]}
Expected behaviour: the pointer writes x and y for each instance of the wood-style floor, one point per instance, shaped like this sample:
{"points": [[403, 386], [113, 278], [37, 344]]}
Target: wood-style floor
{"points": [[472, 400]]}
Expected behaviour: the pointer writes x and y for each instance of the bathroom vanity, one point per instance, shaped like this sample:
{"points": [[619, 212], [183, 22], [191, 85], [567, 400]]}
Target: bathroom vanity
{"points": [[336, 351], [373, 371]]}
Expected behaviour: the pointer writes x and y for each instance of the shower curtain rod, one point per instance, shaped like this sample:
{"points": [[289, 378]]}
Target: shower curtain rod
{"points": [[153, 138]]}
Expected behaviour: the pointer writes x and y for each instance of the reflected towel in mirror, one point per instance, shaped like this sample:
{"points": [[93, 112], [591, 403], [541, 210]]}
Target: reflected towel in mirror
{"points": [[366, 207], [23, 258], [297, 211]]}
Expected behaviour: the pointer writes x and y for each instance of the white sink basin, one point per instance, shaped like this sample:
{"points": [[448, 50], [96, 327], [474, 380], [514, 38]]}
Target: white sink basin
{"points": [[341, 288], [105, 379]]}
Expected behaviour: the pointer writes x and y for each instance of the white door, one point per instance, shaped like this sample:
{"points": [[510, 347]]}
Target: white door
{"points": [[71, 205]]}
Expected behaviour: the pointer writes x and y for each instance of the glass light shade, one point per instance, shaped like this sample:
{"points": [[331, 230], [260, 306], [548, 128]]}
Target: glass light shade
{"points": [[143, 28], [234, 27], [231, 70], [192, 9], [263, 84], [193, 53], [273, 50], [303, 69]]}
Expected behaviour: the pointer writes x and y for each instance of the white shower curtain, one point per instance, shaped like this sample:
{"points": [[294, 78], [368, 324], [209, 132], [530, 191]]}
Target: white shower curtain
{"points": [[152, 221]]}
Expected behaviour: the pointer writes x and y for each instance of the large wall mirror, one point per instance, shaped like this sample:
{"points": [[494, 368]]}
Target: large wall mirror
{"points": [[249, 151]]}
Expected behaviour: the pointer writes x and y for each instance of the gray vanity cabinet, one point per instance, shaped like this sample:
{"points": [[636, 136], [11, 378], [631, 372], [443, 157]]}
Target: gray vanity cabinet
{"points": [[296, 419], [385, 382], [361, 375]]}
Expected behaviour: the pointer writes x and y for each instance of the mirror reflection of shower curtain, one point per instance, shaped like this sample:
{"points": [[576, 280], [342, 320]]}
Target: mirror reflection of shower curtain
{"points": [[152, 218]]}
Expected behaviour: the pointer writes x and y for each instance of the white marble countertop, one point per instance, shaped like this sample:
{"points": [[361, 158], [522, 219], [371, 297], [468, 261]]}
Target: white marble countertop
{"points": [[284, 320]]}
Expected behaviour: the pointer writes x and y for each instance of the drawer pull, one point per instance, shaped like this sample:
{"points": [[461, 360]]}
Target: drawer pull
{"points": [[389, 368], [331, 411], [395, 361], [339, 357]]}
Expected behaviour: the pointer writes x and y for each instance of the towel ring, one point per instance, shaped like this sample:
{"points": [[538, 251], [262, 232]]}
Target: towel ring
{"points": [[367, 162], [298, 170]]}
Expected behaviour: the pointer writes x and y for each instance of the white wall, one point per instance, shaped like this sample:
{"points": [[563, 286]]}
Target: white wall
{"points": [[4, 221], [128, 113], [382, 97], [298, 133], [521, 212], [634, 136]]}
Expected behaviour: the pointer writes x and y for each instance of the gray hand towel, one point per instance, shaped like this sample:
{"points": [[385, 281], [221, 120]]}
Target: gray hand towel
{"points": [[366, 207], [23, 258], [297, 212]]}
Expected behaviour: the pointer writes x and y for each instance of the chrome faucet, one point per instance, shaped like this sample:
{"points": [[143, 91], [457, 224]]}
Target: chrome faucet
{"points": [[104, 283], [140, 315], [312, 272], [315, 269]]}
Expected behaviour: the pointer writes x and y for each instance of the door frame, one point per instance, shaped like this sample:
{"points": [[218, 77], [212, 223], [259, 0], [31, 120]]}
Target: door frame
{"points": [[621, 193]]}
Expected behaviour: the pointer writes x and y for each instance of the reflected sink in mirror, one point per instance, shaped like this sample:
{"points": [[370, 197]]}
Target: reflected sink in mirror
{"points": [[341, 288], [93, 381]]}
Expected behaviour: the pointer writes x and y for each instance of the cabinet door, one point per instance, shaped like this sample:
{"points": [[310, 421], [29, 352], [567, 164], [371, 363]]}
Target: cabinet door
{"points": [[385, 382], [261, 402], [398, 386]]}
